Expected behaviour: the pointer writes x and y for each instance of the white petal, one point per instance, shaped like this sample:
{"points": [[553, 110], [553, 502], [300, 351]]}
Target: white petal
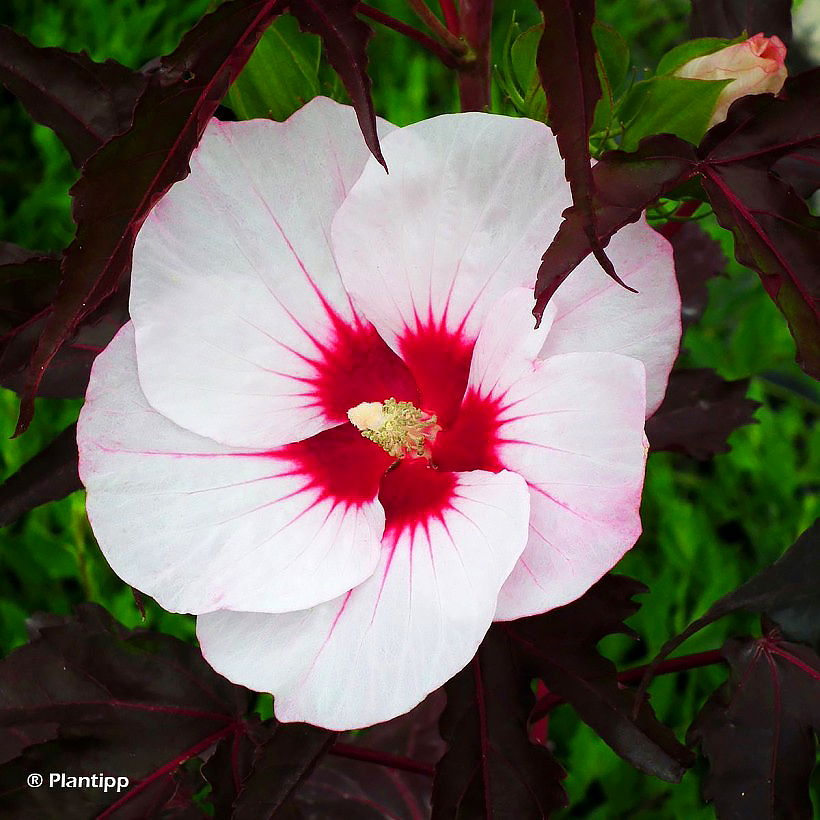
{"points": [[378, 651], [509, 343], [595, 313], [200, 525], [471, 202], [573, 429], [237, 303], [572, 426]]}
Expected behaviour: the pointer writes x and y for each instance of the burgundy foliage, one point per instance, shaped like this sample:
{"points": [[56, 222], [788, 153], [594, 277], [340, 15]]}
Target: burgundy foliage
{"points": [[28, 284], [84, 102], [698, 258], [354, 781], [136, 703], [626, 184], [345, 38], [786, 592], [560, 649], [730, 18], [775, 233], [27, 291], [699, 412], [801, 170], [491, 768], [279, 767], [143, 705], [757, 731], [566, 66], [48, 476], [121, 182]]}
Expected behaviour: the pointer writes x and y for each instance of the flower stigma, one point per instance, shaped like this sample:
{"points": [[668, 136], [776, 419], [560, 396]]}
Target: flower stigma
{"points": [[398, 427]]}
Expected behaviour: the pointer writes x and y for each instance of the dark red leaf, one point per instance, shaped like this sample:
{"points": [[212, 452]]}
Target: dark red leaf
{"points": [[255, 774], [775, 233], [83, 102], [801, 170], [757, 731], [777, 236], [559, 648], [50, 475], [345, 38], [67, 376], [28, 284], [699, 412], [787, 592], [12, 254], [173, 798], [126, 703], [491, 768], [13, 740], [122, 181], [698, 258], [569, 76], [361, 789], [761, 128], [782, 591], [281, 764], [230, 764], [730, 18], [626, 185]]}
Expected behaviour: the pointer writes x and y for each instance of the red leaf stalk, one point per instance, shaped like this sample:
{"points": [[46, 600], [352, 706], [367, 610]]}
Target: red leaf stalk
{"points": [[634, 675], [443, 33], [448, 9], [684, 210], [380, 758], [434, 47], [474, 78]]}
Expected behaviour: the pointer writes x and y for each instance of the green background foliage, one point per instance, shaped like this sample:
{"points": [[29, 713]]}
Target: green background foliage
{"points": [[707, 527]]}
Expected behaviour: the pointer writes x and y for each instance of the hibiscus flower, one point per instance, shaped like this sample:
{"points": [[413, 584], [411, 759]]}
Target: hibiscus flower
{"points": [[330, 430]]}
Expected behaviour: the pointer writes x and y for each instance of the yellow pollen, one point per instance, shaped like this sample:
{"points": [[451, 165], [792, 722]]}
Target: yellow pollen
{"points": [[398, 427]]}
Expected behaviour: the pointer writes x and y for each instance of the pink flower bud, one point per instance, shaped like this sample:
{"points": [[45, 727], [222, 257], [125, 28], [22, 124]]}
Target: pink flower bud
{"points": [[754, 67]]}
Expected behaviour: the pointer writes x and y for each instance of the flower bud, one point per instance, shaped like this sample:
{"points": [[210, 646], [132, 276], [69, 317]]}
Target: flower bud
{"points": [[754, 67]]}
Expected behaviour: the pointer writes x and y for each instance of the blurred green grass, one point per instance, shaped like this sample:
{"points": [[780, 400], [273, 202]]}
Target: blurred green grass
{"points": [[707, 526]]}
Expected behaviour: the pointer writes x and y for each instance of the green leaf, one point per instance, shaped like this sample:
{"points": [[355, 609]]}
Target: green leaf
{"points": [[612, 62], [281, 75], [668, 105], [682, 54], [522, 57], [613, 53]]}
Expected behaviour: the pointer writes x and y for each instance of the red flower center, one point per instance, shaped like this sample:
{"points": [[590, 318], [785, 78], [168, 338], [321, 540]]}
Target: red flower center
{"points": [[359, 367]]}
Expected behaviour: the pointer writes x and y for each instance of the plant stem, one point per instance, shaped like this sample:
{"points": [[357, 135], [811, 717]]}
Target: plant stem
{"points": [[634, 675], [686, 209], [483, 731], [448, 9], [474, 80], [454, 43], [444, 54], [406, 764]]}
